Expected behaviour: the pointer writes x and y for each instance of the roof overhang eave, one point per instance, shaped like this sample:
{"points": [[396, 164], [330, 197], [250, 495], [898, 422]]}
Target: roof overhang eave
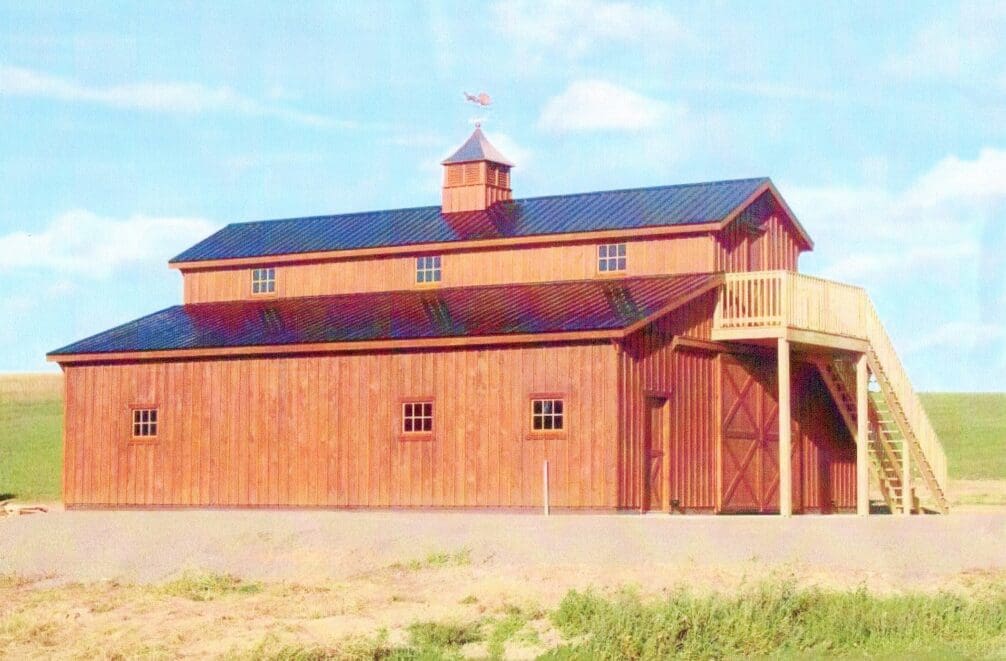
{"points": [[335, 347]]}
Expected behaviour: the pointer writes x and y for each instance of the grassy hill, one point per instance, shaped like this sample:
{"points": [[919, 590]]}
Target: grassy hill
{"points": [[31, 436], [972, 427]]}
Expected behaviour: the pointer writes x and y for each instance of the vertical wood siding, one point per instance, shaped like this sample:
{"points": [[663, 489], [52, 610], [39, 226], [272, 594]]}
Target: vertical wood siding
{"points": [[683, 254], [649, 365], [825, 479], [760, 239], [324, 430], [829, 452]]}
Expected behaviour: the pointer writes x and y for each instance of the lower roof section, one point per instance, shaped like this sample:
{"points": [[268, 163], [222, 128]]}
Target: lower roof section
{"points": [[500, 313]]}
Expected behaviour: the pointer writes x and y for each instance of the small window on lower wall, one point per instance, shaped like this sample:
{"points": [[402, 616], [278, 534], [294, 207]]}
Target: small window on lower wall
{"points": [[417, 419], [145, 423], [547, 415]]}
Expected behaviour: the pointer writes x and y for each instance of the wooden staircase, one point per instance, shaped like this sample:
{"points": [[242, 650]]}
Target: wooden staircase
{"points": [[886, 443], [904, 449]]}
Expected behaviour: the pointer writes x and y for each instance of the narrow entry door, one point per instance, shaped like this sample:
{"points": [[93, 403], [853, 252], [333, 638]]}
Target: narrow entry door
{"points": [[655, 455]]}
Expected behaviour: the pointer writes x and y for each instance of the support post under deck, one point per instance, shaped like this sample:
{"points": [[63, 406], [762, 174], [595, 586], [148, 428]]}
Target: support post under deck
{"points": [[862, 439], [785, 432], [906, 478]]}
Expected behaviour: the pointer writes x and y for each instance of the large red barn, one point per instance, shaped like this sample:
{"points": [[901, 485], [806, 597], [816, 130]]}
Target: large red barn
{"points": [[651, 349]]}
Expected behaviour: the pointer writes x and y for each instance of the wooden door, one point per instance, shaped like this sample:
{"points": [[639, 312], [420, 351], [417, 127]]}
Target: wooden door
{"points": [[749, 437], [655, 455]]}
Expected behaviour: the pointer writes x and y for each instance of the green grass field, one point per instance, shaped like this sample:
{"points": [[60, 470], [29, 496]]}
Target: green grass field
{"points": [[31, 436], [972, 427]]}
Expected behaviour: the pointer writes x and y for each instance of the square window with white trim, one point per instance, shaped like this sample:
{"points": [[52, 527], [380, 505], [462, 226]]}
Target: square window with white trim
{"points": [[144, 423], [547, 415], [428, 269], [611, 257], [264, 281], [417, 418]]}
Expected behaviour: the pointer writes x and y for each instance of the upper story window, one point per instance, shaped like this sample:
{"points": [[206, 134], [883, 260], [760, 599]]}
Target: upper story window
{"points": [[547, 415], [417, 417], [611, 257], [264, 281], [144, 423], [428, 269]]}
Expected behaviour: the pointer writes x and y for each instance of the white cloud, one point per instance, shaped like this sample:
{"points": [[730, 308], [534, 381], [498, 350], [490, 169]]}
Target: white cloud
{"points": [[81, 243], [936, 226], [163, 97], [931, 255], [955, 334], [573, 28], [592, 105]]}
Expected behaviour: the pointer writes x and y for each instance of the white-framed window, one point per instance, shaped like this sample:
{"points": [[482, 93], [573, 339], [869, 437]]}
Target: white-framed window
{"points": [[547, 414], [144, 423], [417, 417], [264, 281], [428, 269], [611, 257]]}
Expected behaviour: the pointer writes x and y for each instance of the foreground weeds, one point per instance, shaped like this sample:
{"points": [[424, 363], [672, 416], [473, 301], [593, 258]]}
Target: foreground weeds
{"points": [[437, 560], [204, 587], [777, 618], [205, 615]]}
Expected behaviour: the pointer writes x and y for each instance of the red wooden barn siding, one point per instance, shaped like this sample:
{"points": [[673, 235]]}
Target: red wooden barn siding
{"points": [[324, 430], [827, 466], [829, 453], [824, 458], [761, 238], [688, 376]]}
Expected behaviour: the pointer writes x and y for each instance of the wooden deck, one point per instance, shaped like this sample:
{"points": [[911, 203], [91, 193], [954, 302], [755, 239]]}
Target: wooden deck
{"points": [[764, 305]]}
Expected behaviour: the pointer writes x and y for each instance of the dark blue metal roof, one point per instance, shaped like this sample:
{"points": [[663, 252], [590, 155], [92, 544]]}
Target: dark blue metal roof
{"points": [[450, 312], [684, 204]]}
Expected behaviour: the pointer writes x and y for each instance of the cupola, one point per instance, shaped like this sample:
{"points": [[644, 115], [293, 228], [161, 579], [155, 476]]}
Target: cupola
{"points": [[476, 176]]}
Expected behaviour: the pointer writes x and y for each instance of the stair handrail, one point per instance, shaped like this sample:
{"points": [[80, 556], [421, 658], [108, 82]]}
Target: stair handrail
{"points": [[915, 413]]}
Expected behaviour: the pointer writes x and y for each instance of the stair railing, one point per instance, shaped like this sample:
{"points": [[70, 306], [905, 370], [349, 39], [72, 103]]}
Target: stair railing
{"points": [[783, 299]]}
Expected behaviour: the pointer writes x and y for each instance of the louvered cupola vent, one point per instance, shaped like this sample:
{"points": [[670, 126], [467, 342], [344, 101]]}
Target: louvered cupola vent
{"points": [[476, 176]]}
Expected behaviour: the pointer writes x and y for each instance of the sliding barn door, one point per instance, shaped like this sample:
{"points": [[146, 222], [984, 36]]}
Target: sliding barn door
{"points": [[749, 437]]}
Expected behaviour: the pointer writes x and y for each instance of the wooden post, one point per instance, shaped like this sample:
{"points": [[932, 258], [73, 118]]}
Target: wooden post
{"points": [[906, 478], [785, 432], [544, 482], [862, 439]]}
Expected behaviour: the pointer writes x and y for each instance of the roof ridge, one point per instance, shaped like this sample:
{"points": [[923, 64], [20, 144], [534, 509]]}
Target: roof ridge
{"points": [[519, 199], [718, 182]]}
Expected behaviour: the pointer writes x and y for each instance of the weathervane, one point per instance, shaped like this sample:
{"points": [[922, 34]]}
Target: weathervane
{"points": [[482, 100]]}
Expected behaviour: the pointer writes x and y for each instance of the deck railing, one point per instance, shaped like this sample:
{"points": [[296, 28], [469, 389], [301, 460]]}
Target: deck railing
{"points": [[774, 299], [786, 300]]}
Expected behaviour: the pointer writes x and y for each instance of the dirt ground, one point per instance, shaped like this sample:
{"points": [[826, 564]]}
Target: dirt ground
{"points": [[312, 546], [92, 581]]}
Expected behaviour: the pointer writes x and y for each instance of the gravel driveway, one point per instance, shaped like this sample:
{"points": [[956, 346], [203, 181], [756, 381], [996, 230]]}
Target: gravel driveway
{"points": [[303, 546]]}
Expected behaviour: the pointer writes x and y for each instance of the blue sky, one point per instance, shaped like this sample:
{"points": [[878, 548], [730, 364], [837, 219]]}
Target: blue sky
{"points": [[130, 131]]}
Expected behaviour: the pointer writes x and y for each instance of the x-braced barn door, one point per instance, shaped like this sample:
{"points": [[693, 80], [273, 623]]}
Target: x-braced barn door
{"points": [[749, 441], [656, 454]]}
